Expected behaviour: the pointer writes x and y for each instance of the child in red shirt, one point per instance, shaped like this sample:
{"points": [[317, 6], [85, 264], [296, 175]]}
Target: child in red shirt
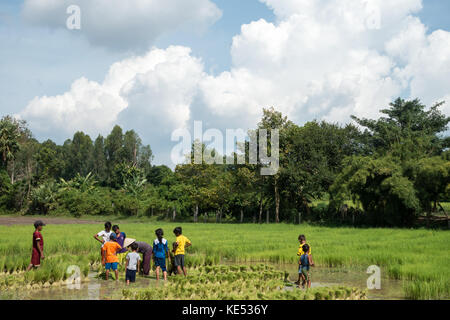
{"points": [[38, 246]]}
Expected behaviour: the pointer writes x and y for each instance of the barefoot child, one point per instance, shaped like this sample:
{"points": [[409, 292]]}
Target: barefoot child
{"points": [[109, 256], [160, 252], [182, 243], [302, 240], [38, 246], [132, 264], [305, 262]]}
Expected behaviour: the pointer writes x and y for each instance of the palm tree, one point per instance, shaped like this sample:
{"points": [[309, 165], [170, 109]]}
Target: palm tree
{"points": [[10, 132]]}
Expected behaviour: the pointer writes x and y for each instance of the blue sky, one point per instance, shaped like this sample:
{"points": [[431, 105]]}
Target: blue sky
{"points": [[40, 60]]}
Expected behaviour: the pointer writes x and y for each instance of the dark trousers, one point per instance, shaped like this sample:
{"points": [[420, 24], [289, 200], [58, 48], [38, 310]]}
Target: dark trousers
{"points": [[147, 257]]}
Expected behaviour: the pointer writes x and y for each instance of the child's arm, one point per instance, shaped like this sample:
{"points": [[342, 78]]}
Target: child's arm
{"points": [[98, 239], [103, 257], [311, 262], [188, 244], [126, 264]]}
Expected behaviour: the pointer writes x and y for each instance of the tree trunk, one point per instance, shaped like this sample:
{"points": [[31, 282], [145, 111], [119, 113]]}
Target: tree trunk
{"points": [[220, 215], [12, 172], [267, 216], [260, 209], [299, 216], [277, 202], [443, 210], [152, 212], [205, 219], [167, 213], [196, 213], [174, 214], [242, 215]]}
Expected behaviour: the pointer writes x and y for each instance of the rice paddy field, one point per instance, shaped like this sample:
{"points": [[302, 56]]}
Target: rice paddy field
{"points": [[418, 260]]}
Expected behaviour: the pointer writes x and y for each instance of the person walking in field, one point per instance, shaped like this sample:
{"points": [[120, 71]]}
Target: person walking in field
{"points": [[304, 264], [109, 256], [103, 236], [181, 244], [38, 246], [147, 253], [300, 252], [120, 240], [160, 253], [132, 264]]}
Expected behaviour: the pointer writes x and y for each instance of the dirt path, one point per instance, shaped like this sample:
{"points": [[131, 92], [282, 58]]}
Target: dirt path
{"points": [[12, 220]]}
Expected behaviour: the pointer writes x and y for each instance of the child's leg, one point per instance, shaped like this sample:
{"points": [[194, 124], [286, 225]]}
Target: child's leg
{"points": [[107, 274], [117, 274], [157, 273], [165, 275], [184, 271], [29, 267], [179, 271]]}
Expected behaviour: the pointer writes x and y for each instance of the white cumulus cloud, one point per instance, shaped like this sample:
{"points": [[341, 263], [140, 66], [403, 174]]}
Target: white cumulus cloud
{"points": [[319, 60]]}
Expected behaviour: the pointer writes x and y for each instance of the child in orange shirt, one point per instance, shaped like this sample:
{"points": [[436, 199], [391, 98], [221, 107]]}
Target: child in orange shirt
{"points": [[109, 255]]}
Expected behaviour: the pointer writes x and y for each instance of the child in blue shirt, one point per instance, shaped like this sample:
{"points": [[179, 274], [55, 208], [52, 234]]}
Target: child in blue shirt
{"points": [[304, 264], [160, 252]]}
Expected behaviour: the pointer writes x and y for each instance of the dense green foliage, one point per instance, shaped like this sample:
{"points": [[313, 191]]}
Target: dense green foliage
{"points": [[394, 169]]}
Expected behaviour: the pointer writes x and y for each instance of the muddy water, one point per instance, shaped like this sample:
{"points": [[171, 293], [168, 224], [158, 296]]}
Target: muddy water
{"points": [[326, 277], [95, 289], [98, 289]]}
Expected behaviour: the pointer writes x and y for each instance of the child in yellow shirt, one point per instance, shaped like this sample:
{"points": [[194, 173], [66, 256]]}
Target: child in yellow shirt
{"points": [[181, 243]]}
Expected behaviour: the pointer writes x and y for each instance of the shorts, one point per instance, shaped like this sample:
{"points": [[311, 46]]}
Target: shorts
{"points": [[161, 262], [130, 275], [301, 268], [304, 270], [111, 265], [179, 260]]}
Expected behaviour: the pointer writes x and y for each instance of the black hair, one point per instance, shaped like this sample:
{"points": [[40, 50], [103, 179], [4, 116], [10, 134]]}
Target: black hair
{"points": [[302, 237], [115, 227], [159, 233], [108, 225], [305, 248], [38, 224], [177, 231], [134, 246]]}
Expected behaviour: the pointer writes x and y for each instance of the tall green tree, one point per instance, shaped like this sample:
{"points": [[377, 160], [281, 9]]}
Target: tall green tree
{"points": [[408, 130]]}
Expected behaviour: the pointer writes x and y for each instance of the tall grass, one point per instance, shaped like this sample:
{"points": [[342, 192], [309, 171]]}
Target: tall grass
{"points": [[420, 256]]}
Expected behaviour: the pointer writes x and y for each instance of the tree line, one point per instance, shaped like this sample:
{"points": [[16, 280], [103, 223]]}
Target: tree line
{"points": [[382, 172]]}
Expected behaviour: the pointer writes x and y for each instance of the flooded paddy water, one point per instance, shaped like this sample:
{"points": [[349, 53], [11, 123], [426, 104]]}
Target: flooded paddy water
{"points": [[99, 289]]}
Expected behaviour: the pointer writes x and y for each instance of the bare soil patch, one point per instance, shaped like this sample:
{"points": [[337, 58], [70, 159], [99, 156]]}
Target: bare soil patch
{"points": [[13, 220]]}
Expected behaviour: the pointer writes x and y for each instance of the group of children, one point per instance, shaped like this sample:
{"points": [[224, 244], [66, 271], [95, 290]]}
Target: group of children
{"points": [[116, 248]]}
